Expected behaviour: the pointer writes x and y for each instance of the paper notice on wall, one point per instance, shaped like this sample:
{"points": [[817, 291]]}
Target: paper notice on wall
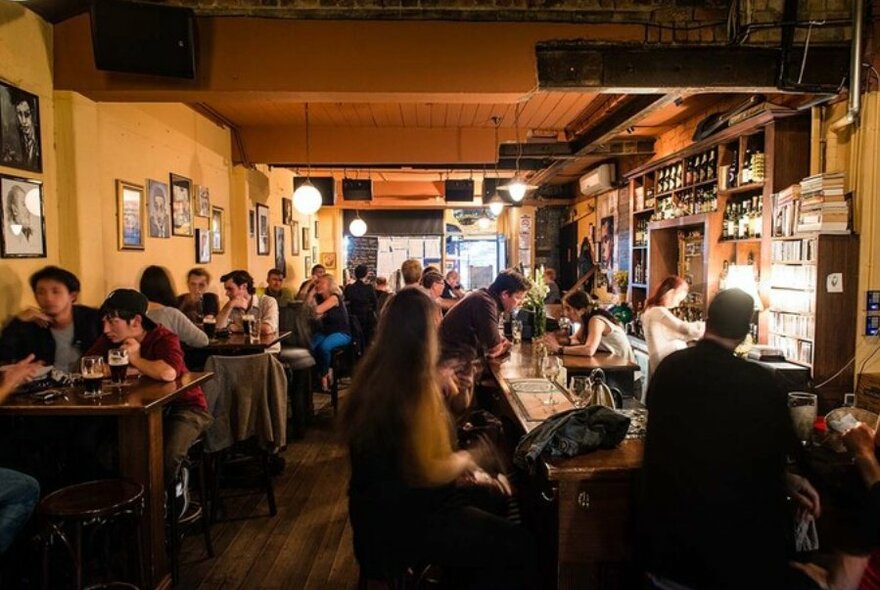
{"points": [[399, 244], [397, 258], [385, 264], [416, 248], [432, 248], [384, 245]]}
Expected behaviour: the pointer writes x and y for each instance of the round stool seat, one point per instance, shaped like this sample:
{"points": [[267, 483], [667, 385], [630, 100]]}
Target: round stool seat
{"points": [[93, 499], [296, 358]]}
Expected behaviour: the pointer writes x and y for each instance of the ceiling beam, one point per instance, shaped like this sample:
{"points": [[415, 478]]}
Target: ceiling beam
{"points": [[577, 65]]}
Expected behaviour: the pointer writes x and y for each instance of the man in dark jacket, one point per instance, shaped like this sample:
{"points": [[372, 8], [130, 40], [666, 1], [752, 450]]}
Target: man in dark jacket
{"points": [[360, 296], [58, 331]]}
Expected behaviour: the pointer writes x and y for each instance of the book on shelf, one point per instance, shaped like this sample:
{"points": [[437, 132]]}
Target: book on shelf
{"points": [[823, 204], [786, 206]]}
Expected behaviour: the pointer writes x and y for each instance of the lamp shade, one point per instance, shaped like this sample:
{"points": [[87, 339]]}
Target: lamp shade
{"points": [[357, 227], [496, 207], [742, 276], [306, 198], [517, 189]]}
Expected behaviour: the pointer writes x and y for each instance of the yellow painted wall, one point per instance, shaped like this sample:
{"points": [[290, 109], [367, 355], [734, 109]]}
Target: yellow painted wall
{"points": [[26, 62]]}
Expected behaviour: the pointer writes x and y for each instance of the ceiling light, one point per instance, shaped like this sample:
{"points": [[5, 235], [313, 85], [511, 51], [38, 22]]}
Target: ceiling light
{"points": [[358, 226], [306, 198], [484, 222], [496, 205], [517, 189]]}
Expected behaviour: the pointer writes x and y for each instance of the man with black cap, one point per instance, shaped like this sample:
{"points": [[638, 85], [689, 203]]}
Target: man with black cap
{"points": [[155, 351], [715, 478]]}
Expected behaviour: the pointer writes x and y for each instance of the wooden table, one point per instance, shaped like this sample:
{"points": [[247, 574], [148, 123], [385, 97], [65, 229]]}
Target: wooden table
{"points": [[580, 507], [138, 410], [237, 344]]}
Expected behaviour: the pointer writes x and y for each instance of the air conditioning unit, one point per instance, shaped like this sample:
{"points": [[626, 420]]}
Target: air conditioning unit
{"points": [[598, 180]]}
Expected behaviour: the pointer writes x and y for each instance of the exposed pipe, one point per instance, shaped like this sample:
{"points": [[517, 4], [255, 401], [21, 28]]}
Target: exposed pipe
{"points": [[855, 78]]}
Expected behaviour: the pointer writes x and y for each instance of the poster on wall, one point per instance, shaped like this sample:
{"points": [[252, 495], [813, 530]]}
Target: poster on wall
{"points": [[525, 242], [280, 263], [20, 129], [606, 243], [262, 230], [203, 201], [203, 246], [130, 215], [159, 208], [181, 206], [21, 214], [217, 230]]}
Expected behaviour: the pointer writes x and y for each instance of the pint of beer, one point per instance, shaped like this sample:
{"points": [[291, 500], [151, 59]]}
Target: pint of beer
{"points": [[92, 369], [117, 358], [209, 325]]}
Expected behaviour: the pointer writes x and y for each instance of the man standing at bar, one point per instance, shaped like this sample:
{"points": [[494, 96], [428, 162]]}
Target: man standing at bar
{"points": [[715, 478]]}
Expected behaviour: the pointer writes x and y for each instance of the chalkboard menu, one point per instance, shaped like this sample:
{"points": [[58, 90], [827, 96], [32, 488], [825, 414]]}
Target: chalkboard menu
{"points": [[363, 250]]}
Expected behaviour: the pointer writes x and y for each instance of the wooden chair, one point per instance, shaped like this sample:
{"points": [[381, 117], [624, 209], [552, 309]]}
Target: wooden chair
{"points": [[197, 460]]}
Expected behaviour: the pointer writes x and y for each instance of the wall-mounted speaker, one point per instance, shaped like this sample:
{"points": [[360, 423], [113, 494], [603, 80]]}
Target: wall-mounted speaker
{"points": [[459, 190], [325, 185], [357, 190]]}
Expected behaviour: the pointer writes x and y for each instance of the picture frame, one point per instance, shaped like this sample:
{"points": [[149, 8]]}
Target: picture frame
{"points": [[286, 211], [217, 242], [280, 261], [252, 222], [316, 229], [606, 243], [22, 218], [307, 264], [158, 209], [181, 205], [20, 142], [129, 215], [203, 201], [203, 245], [294, 239], [262, 230], [315, 253], [328, 260], [306, 244]]}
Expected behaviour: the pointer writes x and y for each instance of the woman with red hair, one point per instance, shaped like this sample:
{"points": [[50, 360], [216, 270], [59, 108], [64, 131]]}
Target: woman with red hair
{"points": [[664, 332]]}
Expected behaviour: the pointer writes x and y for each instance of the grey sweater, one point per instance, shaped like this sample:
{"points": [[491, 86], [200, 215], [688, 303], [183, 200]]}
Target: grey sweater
{"points": [[177, 322]]}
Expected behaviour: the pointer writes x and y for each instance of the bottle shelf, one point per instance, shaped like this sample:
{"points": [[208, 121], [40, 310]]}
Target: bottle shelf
{"points": [[639, 285], [742, 189], [741, 241], [643, 211]]}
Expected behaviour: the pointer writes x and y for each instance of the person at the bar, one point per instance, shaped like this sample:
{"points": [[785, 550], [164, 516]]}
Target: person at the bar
{"points": [[334, 331], [664, 332], [383, 292], [243, 300], [362, 301], [275, 288], [432, 283], [156, 353], [553, 293], [58, 330], [403, 503], [156, 286], [197, 303], [308, 285], [411, 272], [714, 513], [452, 286], [599, 331]]}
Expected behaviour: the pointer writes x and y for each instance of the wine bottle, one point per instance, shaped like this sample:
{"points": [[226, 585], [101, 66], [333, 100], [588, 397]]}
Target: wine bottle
{"points": [[732, 172], [747, 166]]}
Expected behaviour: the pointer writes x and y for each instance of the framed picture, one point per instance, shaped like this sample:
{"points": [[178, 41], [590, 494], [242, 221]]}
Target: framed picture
{"points": [[21, 214], [181, 206], [203, 201], [307, 265], [306, 244], [20, 145], [294, 238], [280, 262], [252, 222], [328, 260], [262, 230], [203, 246], [606, 243], [316, 229], [315, 254], [158, 209], [286, 211], [130, 215], [217, 230]]}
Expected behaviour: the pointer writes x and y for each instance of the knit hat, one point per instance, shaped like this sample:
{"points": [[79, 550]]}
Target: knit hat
{"points": [[730, 314]]}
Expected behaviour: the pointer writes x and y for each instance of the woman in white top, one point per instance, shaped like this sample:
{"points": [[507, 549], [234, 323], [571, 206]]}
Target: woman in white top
{"points": [[664, 332], [162, 307], [599, 330]]}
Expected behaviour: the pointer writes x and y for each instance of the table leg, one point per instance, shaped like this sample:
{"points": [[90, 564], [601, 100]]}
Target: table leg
{"points": [[141, 460]]}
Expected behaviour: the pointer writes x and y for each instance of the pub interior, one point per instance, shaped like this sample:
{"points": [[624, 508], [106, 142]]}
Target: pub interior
{"points": [[439, 294]]}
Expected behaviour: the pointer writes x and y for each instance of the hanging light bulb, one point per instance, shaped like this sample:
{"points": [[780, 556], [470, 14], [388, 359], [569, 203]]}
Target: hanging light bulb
{"points": [[484, 222], [517, 189], [496, 205], [358, 226], [306, 198]]}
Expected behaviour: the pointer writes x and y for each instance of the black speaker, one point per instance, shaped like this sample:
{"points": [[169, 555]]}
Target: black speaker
{"points": [[138, 38], [357, 190], [459, 190], [325, 185]]}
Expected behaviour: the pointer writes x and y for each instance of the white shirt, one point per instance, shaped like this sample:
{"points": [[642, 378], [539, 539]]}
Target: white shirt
{"points": [[665, 334]]}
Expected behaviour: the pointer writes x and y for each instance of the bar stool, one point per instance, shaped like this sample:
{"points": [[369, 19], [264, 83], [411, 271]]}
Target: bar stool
{"points": [[196, 459], [94, 503]]}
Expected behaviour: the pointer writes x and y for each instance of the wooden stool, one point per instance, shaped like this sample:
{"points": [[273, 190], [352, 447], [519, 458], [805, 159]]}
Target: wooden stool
{"points": [[86, 504], [201, 514]]}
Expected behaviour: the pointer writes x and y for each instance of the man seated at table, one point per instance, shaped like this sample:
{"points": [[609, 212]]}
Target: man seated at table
{"points": [[715, 478], [243, 300], [470, 330], [155, 351], [58, 330], [275, 288], [308, 285]]}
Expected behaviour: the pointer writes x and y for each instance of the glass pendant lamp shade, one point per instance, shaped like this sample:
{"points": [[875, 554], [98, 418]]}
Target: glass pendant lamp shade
{"points": [[517, 189], [357, 227], [496, 207], [306, 198]]}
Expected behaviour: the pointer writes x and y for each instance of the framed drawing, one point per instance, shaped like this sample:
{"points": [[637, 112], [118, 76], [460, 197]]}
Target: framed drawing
{"points": [[217, 230], [316, 229], [181, 206], [328, 260], [306, 244], [280, 262], [308, 266], [130, 215], [21, 214], [252, 222], [158, 209], [20, 145], [262, 230], [294, 238], [286, 211], [203, 246], [606, 243], [203, 201]]}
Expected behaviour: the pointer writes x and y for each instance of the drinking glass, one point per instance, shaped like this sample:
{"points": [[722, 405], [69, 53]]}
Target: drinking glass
{"points": [[92, 369], [578, 388], [248, 323], [117, 358], [802, 407], [550, 367], [209, 325], [516, 331]]}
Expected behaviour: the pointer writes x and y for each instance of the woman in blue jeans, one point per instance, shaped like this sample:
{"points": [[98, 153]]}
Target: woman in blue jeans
{"points": [[335, 330]]}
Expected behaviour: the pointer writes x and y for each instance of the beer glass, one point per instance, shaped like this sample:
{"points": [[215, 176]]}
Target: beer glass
{"points": [[802, 407], [209, 325], [578, 388], [516, 331], [92, 369], [550, 367], [117, 358], [250, 326]]}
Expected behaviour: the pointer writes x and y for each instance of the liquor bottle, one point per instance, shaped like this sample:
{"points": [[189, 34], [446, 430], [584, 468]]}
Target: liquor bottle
{"points": [[747, 166], [637, 273], [732, 174], [689, 174], [710, 166], [713, 201], [728, 222], [743, 222], [757, 217], [679, 176]]}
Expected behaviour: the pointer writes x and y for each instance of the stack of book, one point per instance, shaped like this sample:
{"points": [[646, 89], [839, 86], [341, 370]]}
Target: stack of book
{"points": [[785, 211], [823, 205]]}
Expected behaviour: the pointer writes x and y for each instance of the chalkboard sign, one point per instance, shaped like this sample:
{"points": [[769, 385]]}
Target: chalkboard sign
{"points": [[363, 250]]}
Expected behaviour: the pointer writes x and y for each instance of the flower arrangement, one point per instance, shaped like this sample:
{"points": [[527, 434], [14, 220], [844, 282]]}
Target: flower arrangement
{"points": [[534, 298], [621, 279]]}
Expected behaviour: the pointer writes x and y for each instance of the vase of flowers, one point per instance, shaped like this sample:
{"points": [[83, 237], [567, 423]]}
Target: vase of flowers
{"points": [[533, 305]]}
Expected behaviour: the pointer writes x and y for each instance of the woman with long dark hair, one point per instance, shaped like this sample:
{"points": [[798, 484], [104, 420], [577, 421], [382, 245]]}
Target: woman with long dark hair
{"points": [[403, 503], [664, 332], [599, 330], [156, 286]]}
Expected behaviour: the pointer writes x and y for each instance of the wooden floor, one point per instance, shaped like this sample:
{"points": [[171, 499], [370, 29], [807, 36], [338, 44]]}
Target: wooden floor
{"points": [[306, 545]]}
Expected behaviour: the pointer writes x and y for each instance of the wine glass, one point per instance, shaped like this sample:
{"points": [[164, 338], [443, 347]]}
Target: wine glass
{"points": [[551, 367]]}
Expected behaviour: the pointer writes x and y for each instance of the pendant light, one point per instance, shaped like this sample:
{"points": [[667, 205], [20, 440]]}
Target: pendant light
{"points": [[496, 203], [358, 226], [517, 187], [306, 198]]}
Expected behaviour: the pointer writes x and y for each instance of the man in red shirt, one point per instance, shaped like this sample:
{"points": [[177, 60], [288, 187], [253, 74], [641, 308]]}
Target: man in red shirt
{"points": [[155, 351]]}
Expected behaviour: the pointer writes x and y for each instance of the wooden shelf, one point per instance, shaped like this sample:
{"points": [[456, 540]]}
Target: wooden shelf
{"points": [[645, 247], [802, 289], [741, 241], [742, 189], [698, 219], [643, 211], [784, 335], [638, 285], [793, 262]]}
